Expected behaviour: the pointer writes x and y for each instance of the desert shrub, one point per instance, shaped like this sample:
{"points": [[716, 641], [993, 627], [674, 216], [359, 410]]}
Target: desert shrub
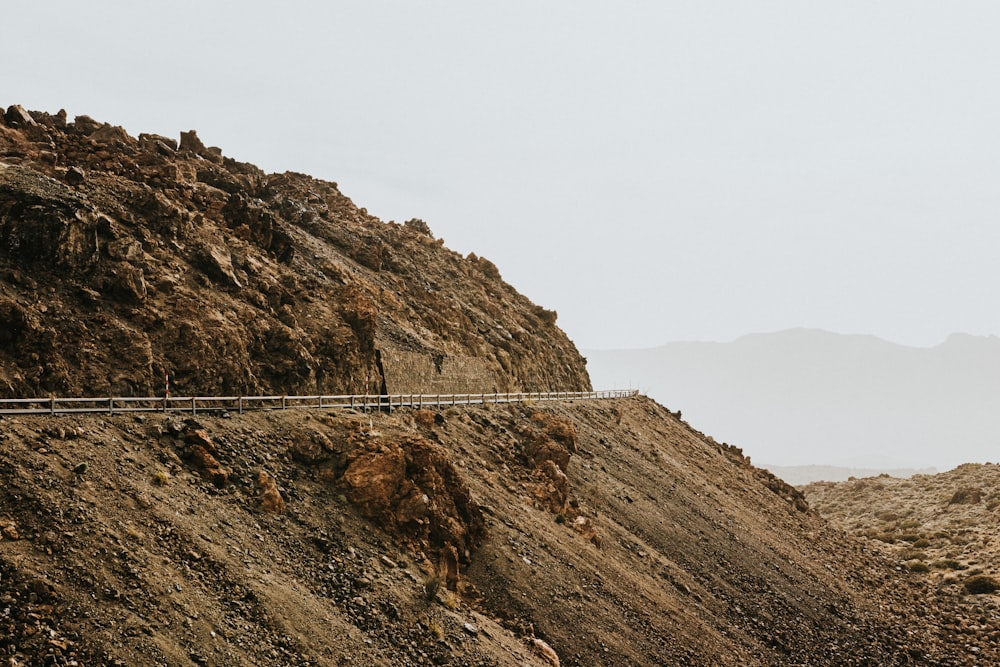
{"points": [[450, 600], [922, 543], [966, 495], [161, 478], [918, 566], [947, 564], [909, 537], [909, 525], [886, 516], [912, 554], [981, 583], [432, 584]]}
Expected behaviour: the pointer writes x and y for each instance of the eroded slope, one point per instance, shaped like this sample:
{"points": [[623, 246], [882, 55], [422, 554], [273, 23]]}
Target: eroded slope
{"points": [[608, 531]]}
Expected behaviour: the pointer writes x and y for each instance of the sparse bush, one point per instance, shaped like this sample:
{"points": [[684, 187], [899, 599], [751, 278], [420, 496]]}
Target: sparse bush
{"points": [[981, 583], [435, 630], [922, 543], [161, 478], [450, 600], [909, 537], [432, 584], [918, 566], [948, 564], [966, 496]]}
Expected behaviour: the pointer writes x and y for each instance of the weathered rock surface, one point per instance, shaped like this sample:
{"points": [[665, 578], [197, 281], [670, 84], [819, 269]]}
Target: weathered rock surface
{"points": [[123, 259]]}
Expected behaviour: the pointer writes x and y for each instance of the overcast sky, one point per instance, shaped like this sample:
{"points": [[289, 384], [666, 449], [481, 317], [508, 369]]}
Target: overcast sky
{"points": [[654, 171]]}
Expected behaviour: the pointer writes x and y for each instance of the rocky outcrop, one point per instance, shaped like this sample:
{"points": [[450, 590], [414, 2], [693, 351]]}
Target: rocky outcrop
{"points": [[123, 259]]}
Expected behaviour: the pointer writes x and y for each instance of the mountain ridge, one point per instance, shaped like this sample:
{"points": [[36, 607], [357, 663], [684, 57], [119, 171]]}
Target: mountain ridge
{"points": [[810, 397]]}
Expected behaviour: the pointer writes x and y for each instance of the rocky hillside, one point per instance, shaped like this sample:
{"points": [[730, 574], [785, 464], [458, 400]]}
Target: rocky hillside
{"points": [[941, 527], [123, 258], [559, 533]]}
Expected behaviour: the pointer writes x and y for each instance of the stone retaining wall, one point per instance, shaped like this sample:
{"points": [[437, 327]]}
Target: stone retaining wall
{"points": [[418, 373]]}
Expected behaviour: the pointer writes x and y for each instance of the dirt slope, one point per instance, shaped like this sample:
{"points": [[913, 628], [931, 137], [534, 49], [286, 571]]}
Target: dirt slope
{"points": [[656, 547], [122, 259]]}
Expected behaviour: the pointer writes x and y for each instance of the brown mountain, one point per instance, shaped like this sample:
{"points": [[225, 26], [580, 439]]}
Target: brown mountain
{"points": [[555, 533], [123, 259]]}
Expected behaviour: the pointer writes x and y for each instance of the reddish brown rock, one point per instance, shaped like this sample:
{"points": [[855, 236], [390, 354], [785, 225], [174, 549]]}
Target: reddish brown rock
{"points": [[553, 489], [191, 142], [270, 497], [208, 465]]}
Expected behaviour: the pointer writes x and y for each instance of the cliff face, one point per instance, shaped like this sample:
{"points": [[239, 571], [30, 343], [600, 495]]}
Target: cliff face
{"points": [[122, 259]]}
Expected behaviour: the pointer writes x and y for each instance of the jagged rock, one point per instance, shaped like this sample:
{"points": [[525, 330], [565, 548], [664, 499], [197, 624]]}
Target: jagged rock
{"points": [[109, 134], [16, 116], [155, 143], [553, 490], [412, 489], [86, 125], [208, 465], [75, 176], [191, 142]]}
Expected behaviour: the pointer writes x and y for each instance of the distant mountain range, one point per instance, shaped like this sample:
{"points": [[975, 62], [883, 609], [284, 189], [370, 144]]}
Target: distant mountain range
{"points": [[810, 397]]}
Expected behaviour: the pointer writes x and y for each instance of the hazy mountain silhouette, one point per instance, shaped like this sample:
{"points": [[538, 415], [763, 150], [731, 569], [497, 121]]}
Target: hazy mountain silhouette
{"points": [[806, 397]]}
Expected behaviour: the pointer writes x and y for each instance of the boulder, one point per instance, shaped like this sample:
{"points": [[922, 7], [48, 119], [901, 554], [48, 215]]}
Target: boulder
{"points": [[270, 497], [191, 142], [74, 176], [109, 134], [86, 125], [16, 116]]}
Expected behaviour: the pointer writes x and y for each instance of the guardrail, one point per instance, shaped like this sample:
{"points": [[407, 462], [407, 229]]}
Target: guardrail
{"points": [[195, 404]]}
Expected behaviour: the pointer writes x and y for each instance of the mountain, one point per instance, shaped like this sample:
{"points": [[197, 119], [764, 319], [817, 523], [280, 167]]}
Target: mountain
{"points": [[124, 260], [809, 397], [541, 533]]}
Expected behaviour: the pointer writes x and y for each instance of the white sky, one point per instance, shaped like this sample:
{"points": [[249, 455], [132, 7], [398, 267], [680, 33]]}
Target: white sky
{"points": [[655, 171]]}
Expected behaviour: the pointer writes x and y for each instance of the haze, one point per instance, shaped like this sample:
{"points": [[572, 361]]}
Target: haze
{"points": [[653, 171]]}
